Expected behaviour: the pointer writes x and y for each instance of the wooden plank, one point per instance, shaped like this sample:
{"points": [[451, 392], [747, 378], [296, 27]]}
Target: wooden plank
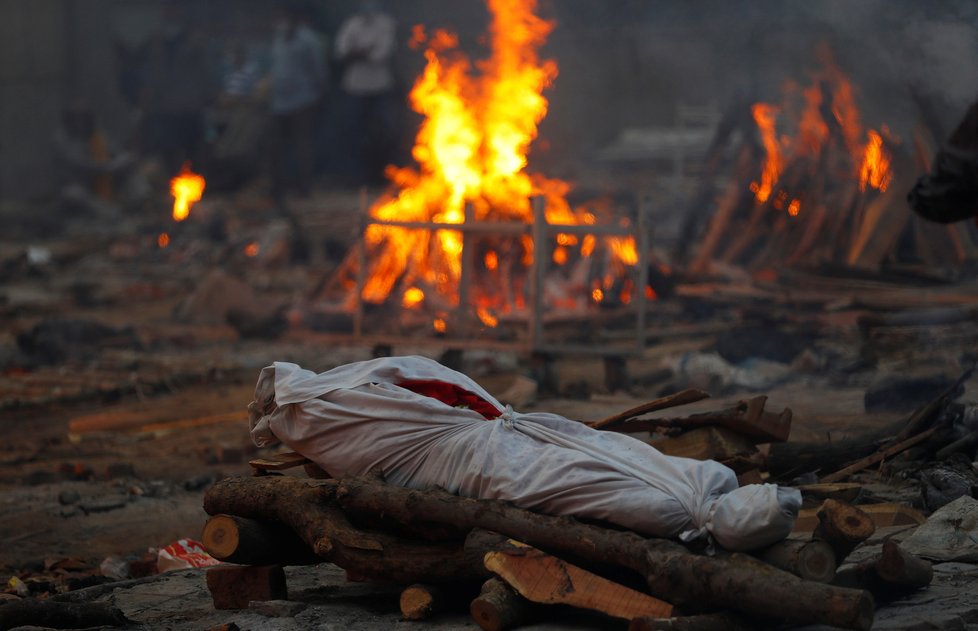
{"points": [[542, 578], [240, 416], [279, 462], [883, 515], [706, 443]]}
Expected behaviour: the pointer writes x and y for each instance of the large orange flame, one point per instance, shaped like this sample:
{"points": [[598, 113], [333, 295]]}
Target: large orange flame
{"points": [[471, 153], [187, 189]]}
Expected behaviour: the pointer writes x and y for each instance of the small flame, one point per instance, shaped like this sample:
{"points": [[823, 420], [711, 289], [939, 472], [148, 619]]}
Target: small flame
{"points": [[588, 245], [252, 249], [875, 168], [439, 325], [560, 255], [764, 116], [187, 189], [794, 208], [566, 239], [486, 317], [650, 293], [597, 294], [163, 240], [492, 261], [412, 298]]}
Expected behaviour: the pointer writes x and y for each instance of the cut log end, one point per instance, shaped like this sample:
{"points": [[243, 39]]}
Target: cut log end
{"points": [[221, 536], [843, 526], [499, 608], [420, 602]]}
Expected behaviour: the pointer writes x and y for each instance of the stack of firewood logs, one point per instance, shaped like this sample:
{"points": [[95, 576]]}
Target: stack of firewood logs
{"points": [[441, 547]]}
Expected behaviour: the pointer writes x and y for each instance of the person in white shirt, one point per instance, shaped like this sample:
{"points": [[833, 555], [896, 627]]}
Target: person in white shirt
{"points": [[365, 48]]}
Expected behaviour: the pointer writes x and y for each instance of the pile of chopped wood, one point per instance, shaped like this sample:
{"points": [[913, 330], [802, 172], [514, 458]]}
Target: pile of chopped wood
{"points": [[442, 547]]}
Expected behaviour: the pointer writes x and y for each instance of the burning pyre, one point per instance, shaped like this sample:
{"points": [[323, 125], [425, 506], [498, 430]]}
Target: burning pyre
{"points": [[813, 187], [480, 120]]}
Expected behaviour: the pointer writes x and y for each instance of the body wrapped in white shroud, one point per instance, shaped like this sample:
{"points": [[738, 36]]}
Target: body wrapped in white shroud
{"points": [[355, 418]]}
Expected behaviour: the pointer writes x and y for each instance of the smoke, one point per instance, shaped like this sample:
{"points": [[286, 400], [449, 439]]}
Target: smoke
{"points": [[630, 63]]}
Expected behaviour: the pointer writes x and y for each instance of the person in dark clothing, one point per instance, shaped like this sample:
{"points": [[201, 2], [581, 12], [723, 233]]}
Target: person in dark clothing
{"points": [[177, 90], [949, 192]]}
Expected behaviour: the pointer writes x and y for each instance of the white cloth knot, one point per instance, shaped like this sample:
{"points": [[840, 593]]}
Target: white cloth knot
{"points": [[508, 417]]}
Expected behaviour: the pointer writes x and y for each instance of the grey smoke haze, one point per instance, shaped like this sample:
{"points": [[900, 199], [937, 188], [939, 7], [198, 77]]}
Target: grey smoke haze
{"points": [[622, 62], [629, 62]]}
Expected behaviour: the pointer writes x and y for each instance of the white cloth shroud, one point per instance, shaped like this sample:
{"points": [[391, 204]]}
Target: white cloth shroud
{"points": [[354, 418]]}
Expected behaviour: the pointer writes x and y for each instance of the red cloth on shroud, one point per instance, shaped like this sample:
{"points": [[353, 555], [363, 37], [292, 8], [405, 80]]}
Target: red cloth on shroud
{"points": [[452, 395]]}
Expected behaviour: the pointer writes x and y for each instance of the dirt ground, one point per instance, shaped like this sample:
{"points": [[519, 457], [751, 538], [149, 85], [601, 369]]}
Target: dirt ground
{"points": [[107, 450]]}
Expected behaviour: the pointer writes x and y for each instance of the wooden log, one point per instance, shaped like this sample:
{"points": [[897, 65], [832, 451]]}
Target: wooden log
{"points": [[810, 560], [738, 582], [734, 199], [843, 526], [793, 458], [706, 443], [702, 622], [542, 578], [673, 400], [309, 508], [879, 456], [235, 539], [421, 601], [499, 608]]}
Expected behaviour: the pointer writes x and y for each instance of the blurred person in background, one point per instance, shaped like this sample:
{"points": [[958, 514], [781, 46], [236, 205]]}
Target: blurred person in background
{"points": [[177, 89], [297, 83], [236, 122], [365, 47]]}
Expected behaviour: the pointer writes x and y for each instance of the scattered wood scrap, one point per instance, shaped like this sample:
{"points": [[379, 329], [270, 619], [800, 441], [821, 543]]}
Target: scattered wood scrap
{"points": [[892, 573], [673, 400], [748, 418]]}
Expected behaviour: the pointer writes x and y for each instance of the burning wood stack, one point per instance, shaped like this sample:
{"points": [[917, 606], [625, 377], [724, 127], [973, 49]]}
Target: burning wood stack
{"points": [[469, 239], [820, 189]]}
